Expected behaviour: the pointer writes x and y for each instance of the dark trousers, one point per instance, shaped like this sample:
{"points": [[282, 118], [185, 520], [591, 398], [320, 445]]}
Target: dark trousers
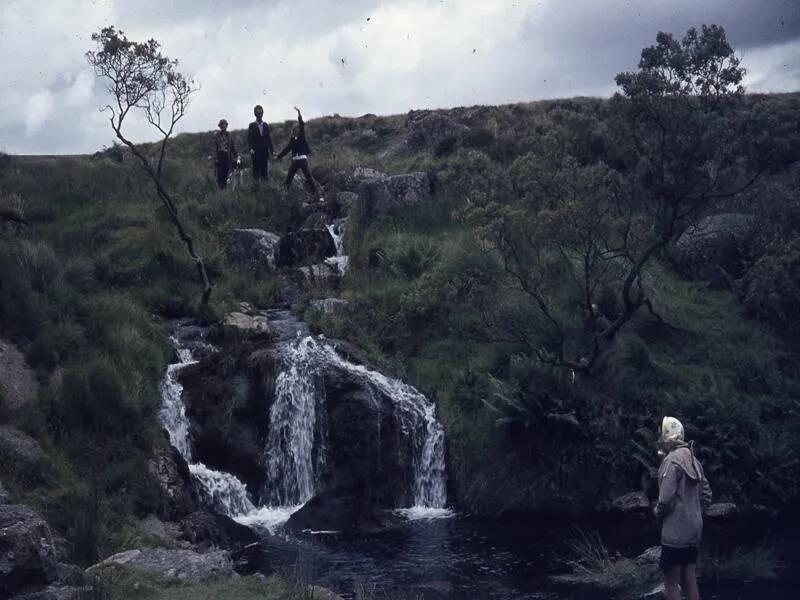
{"points": [[259, 165], [301, 164], [223, 168]]}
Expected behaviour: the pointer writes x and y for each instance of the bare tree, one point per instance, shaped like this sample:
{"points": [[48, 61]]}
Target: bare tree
{"points": [[140, 78]]}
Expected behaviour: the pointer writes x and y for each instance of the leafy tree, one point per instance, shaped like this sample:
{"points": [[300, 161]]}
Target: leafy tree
{"points": [[579, 234], [140, 78]]}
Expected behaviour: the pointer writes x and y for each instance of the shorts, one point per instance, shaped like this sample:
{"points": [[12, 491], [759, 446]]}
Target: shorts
{"points": [[677, 557]]}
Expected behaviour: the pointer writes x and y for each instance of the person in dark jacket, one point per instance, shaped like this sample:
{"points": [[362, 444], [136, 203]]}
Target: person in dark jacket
{"points": [[260, 142], [298, 146], [683, 493], [224, 153]]}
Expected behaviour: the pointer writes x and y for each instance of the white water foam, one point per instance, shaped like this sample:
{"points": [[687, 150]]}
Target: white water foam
{"points": [[267, 517], [420, 513]]}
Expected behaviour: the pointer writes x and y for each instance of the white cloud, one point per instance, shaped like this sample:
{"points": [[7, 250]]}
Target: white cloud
{"points": [[398, 55], [38, 111]]}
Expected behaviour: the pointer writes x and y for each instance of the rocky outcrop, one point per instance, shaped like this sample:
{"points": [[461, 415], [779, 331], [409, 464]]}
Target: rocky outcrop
{"points": [[19, 449], [255, 250], [715, 247], [18, 385], [226, 404], [431, 131], [388, 193], [181, 565], [381, 193], [206, 530], [368, 461], [29, 558], [170, 482], [328, 273]]}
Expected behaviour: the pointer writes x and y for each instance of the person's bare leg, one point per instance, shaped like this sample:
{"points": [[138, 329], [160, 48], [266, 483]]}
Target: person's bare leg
{"points": [[689, 579], [672, 576]]}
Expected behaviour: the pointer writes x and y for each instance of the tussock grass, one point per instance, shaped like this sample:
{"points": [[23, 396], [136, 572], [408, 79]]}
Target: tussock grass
{"points": [[593, 565]]}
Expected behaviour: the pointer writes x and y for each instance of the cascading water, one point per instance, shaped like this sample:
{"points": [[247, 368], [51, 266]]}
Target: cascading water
{"points": [[341, 260], [222, 491], [294, 461], [296, 439]]}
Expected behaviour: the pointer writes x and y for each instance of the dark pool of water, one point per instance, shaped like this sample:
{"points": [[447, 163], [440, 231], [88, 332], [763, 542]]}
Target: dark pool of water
{"points": [[461, 558]]}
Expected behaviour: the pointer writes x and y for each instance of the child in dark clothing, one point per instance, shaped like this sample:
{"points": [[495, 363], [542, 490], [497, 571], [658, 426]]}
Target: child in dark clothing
{"points": [[298, 145]]}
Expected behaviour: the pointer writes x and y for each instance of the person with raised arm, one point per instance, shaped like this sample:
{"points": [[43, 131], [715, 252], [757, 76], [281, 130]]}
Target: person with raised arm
{"points": [[298, 146]]}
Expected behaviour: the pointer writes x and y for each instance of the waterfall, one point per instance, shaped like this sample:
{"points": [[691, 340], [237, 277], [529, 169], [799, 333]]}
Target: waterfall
{"points": [[341, 260], [222, 491], [296, 439], [296, 419], [418, 420], [173, 411]]}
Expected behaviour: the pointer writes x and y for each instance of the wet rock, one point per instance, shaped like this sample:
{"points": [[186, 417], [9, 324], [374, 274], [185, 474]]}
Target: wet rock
{"points": [[58, 592], [18, 385], [318, 592], [715, 247], [722, 511], [631, 503], [368, 463], [227, 415], [4, 496], [28, 554], [428, 130], [21, 450], [243, 326], [255, 250], [306, 246], [327, 274], [206, 530], [170, 483], [179, 565]]}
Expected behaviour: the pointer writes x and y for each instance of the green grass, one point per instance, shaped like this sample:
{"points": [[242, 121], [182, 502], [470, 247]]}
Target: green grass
{"points": [[592, 565], [742, 564], [128, 584]]}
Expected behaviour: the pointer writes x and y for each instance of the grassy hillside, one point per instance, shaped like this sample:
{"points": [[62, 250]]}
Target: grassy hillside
{"points": [[88, 291]]}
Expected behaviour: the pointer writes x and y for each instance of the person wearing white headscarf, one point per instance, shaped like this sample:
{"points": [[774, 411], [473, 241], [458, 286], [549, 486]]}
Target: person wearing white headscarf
{"points": [[683, 493]]}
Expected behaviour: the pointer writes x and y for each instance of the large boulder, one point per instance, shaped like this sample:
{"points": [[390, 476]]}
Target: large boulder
{"points": [[19, 449], [245, 326], [227, 411], [368, 462], [328, 273], [18, 385], [255, 250], [432, 131], [179, 565], [29, 558], [170, 483], [390, 192], [714, 248]]}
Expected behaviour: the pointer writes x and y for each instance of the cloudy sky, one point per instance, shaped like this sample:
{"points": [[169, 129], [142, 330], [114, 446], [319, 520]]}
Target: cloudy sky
{"points": [[355, 56]]}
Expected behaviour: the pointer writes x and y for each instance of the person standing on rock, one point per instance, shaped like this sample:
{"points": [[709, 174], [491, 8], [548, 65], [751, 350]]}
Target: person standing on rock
{"points": [[298, 145], [683, 493], [225, 153], [260, 142]]}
